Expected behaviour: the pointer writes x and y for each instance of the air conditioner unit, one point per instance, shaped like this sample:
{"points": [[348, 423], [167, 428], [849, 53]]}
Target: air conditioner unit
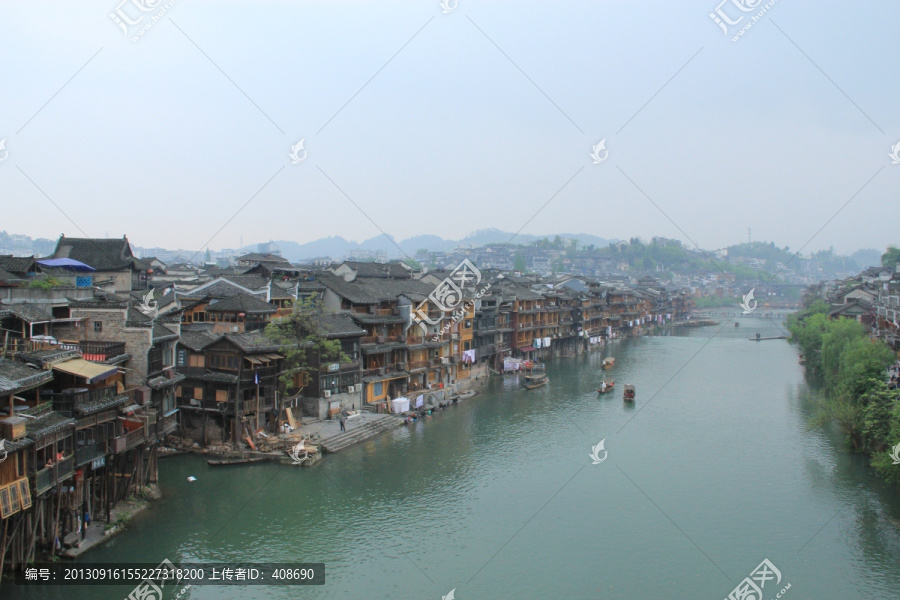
{"points": [[327, 393], [234, 329], [350, 389], [445, 360]]}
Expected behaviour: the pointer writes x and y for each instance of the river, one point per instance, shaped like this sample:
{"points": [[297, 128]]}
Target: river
{"points": [[712, 470]]}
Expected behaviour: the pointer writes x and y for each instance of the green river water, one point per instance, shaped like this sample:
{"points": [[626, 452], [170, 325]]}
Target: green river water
{"points": [[712, 470]]}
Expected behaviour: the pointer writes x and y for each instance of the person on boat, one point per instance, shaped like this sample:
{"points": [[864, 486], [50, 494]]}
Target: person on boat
{"points": [[603, 387]]}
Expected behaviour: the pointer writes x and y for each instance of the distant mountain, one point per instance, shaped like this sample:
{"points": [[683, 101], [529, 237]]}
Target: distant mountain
{"points": [[337, 247]]}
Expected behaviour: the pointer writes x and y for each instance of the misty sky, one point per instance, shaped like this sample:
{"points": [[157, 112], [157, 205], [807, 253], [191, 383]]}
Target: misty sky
{"points": [[472, 119]]}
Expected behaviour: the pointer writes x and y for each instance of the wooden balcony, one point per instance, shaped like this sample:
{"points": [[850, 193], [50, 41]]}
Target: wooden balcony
{"points": [[100, 351], [130, 440], [86, 454], [50, 476]]}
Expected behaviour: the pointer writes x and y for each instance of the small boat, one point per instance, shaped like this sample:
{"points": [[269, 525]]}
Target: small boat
{"points": [[533, 381], [609, 362], [225, 462], [609, 387], [628, 396]]}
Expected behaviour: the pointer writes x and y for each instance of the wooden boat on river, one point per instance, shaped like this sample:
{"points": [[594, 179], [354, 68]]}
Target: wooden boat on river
{"points": [[533, 381], [628, 396], [609, 387], [609, 362]]}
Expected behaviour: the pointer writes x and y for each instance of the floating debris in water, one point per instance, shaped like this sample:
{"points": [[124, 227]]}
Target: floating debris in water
{"points": [[192, 478]]}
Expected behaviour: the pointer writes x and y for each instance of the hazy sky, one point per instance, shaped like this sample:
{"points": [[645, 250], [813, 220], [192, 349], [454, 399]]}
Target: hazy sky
{"points": [[444, 123]]}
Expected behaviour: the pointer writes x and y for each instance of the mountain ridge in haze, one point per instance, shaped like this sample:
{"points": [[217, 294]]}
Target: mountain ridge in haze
{"points": [[337, 247]]}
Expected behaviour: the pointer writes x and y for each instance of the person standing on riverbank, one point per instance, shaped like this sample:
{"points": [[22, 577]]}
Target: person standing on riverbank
{"points": [[342, 420]]}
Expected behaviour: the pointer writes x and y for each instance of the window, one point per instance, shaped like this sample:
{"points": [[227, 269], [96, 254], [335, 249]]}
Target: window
{"points": [[221, 395], [198, 393], [196, 360], [98, 326], [379, 389]]}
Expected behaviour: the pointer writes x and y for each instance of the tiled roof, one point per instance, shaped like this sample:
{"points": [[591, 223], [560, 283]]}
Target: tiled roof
{"points": [[242, 303], [30, 313], [17, 265], [214, 377], [253, 341], [161, 333], [86, 409], [7, 277], [251, 282], [310, 286], [46, 357], [50, 423], [257, 257], [197, 340], [373, 290], [367, 319], [158, 383], [337, 325], [16, 375], [281, 292], [218, 288], [102, 254], [380, 270]]}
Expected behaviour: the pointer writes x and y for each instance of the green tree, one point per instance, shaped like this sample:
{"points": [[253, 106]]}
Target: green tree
{"points": [[301, 339], [891, 257]]}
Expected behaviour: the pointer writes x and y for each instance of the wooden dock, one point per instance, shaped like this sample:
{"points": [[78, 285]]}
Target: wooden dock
{"points": [[776, 337]]}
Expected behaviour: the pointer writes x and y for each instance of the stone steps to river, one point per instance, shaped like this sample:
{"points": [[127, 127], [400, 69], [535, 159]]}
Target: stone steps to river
{"points": [[369, 429]]}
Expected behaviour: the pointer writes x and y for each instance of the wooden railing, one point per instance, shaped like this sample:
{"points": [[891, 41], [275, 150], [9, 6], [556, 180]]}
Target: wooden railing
{"points": [[47, 477], [100, 351], [86, 454]]}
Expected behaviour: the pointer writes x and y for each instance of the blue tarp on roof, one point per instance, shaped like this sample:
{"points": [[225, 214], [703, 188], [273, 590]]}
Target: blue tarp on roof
{"points": [[66, 263]]}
